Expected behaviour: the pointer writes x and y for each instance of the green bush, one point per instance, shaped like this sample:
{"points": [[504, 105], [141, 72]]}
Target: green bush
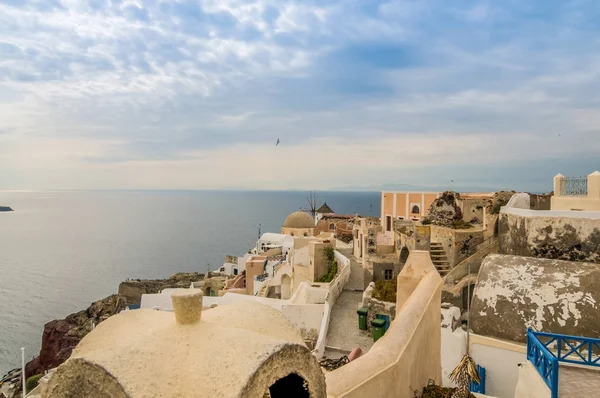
{"points": [[461, 224], [386, 290], [32, 382], [331, 272]]}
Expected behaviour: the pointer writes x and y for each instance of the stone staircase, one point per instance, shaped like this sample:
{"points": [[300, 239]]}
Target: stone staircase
{"points": [[439, 258]]}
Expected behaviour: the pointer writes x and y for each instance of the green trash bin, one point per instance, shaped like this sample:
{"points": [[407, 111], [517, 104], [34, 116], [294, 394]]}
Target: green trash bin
{"points": [[378, 328], [362, 318]]}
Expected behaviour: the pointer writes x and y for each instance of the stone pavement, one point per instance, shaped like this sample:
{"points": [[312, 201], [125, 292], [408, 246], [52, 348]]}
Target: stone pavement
{"points": [[343, 330], [357, 273], [578, 382]]}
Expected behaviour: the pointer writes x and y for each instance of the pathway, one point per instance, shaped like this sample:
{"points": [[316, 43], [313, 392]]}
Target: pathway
{"points": [[578, 382], [343, 333], [357, 272]]}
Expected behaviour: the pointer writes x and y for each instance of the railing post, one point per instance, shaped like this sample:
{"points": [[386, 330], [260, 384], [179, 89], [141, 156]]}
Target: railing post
{"points": [[554, 377]]}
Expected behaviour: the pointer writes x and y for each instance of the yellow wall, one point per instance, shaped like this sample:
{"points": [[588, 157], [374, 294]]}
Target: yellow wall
{"points": [[422, 199], [429, 198], [300, 274], [298, 231], [254, 267], [591, 202], [575, 203], [409, 354], [400, 206], [388, 203]]}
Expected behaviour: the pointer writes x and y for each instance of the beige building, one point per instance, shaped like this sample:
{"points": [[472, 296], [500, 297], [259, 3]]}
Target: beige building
{"points": [[299, 223], [577, 193], [404, 206], [240, 350]]}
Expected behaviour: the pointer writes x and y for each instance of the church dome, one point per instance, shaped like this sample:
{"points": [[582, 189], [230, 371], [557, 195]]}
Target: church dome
{"points": [[299, 219]]}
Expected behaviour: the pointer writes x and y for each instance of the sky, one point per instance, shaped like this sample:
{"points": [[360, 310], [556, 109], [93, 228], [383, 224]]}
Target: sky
{"points": [[190, 94]]}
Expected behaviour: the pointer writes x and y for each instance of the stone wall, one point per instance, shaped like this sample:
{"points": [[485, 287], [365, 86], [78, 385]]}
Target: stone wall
{"points": [[514, 293], [377, 306], [456, 242], [132, 289], [409, 354], [564, 235]]}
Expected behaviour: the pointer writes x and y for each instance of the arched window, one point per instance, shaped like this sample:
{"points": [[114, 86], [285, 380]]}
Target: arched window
{"points": [[292, 234], [332, 226], [416, 210], [305, 234]]}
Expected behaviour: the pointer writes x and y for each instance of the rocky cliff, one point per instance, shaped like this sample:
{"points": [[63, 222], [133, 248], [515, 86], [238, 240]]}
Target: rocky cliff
{"points": [[132, 289], [62, 335]]}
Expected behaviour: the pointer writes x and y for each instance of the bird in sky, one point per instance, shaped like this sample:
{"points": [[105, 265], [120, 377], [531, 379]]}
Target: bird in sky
{"points": [[277, 143]]}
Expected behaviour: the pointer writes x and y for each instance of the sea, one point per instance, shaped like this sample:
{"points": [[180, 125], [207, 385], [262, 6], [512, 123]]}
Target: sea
{"points": [[62, 250]]}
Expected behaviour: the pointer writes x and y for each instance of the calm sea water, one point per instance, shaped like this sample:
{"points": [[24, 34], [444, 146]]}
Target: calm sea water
{"points": [[60, 251]]}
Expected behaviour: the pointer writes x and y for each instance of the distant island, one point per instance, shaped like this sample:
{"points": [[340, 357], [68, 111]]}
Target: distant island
{"points": [[5, 208]]}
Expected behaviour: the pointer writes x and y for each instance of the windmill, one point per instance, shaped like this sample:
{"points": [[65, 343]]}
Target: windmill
{"points": [[313, 202]]}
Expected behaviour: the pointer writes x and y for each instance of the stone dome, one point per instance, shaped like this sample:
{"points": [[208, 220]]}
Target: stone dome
{"points": [[299, 219]]}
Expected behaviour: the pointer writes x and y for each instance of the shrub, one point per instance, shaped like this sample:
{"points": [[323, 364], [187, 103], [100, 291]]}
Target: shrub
{"points": [[461, 224], [32, 382], [386, 290], [331, 272]]}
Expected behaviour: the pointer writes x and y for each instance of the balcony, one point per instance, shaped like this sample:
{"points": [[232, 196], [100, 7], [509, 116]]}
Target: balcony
{"points": [[547, 350]]}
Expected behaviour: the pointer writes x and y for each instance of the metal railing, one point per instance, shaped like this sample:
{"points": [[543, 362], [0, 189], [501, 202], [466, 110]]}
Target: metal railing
{"points": [[573, 186], [262, 278], [569, 349]]}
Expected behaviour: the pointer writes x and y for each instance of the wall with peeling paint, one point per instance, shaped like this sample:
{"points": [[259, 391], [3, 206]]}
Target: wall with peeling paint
{"points": [[564, 235], [514, 292]]}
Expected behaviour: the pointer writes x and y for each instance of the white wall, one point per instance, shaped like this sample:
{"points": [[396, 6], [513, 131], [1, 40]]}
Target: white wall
{"points": [[530, 384], [501, 360], [454, 346]]}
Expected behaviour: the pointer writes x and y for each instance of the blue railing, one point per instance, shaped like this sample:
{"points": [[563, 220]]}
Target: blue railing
{"points": [[569, 349], [478, 387]]}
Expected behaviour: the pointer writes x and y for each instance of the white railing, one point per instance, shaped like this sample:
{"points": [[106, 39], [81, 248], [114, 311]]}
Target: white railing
{"points": [[335, 289]]}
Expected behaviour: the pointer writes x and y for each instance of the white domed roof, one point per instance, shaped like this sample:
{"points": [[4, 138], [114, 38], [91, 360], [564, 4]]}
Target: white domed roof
{"points": [[299, 219]]}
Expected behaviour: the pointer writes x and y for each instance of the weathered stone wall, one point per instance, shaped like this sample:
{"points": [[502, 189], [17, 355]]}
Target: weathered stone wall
{"points": [[550, 234], [472, 209], [514, 293], [540, 201], [456, 242], [379, 269], [445, 211], [377, 306]]}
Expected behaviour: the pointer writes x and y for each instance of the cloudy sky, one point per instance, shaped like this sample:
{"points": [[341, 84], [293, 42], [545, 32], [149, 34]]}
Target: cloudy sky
{"points": [[193, 94]]}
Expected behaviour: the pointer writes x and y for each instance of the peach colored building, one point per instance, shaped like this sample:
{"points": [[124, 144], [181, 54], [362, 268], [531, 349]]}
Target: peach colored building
{"points": [[404, 206]]}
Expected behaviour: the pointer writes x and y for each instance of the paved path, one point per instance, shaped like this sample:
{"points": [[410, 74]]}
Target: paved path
{"points": [[357, 272], [343, 330], [578, 382]]}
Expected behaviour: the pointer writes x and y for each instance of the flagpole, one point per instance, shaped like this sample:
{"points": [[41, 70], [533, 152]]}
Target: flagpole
{"points": [[23, 370]]}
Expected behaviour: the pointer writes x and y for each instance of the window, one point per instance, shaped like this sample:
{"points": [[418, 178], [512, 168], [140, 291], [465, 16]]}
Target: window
{"points": [[388, 274], [415, 210], [222, 269], [235, 271], [332, 226], [305, 234]]}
